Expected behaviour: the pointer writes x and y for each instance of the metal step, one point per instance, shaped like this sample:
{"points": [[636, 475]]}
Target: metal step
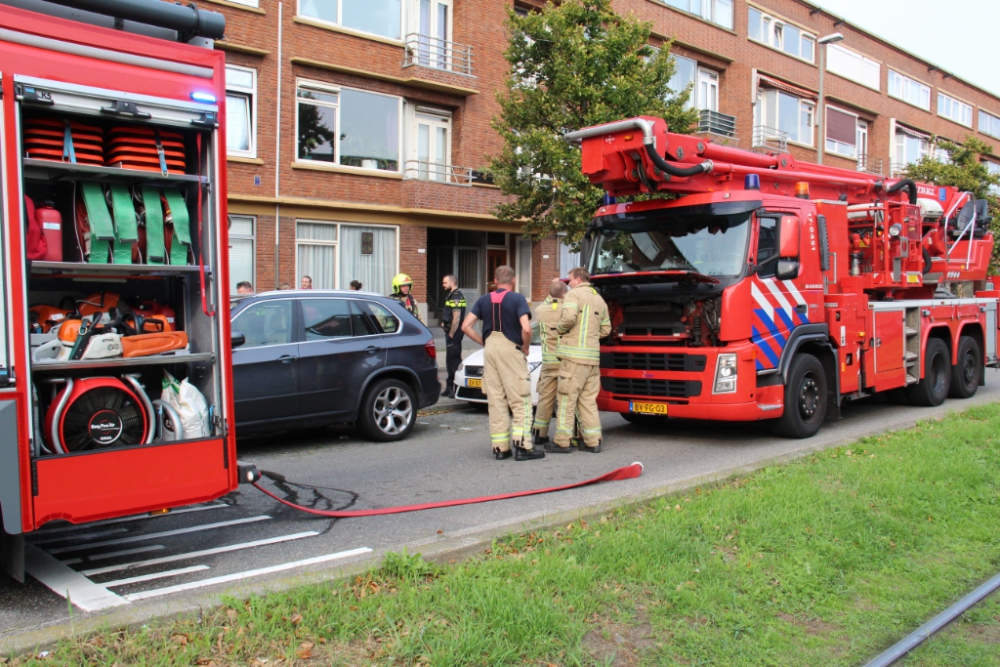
{"points": [[911, 380], [912, 332], [912, 358]]}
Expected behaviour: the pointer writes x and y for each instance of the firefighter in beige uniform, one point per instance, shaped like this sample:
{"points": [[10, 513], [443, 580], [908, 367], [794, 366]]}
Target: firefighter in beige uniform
{"points": [[548, 317], [583, 322]]}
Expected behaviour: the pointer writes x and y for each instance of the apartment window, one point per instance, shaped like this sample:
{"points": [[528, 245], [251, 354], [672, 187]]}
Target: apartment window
{"points": [[333, 254], [685, 73], [432, 21], [378, 17], [994, 170], [247, 3], [348, 127], [568, 258], [853, 66], [716, 11], [242, 257], [241, 111], [911, 146], [909, 90], [786, 113], [781, 35], [431, 145], [704, 83], [955, 110], [989, 124], [842, 132]]}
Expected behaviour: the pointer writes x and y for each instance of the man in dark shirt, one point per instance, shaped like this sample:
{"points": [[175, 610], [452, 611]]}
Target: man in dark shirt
{"points": [[506, 381], [452, 316]]}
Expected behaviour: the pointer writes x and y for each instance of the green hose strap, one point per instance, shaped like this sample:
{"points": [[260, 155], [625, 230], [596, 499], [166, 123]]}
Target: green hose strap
{"points": [[181, 243], [126, 228], [156, 252], [101, 229]]}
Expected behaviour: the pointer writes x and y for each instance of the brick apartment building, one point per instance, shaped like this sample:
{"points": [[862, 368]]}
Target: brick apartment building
{"points": [[358, 129]]}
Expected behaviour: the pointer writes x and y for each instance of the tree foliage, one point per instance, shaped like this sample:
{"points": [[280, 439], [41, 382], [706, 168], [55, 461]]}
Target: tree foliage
{"points": [[572, 65]]}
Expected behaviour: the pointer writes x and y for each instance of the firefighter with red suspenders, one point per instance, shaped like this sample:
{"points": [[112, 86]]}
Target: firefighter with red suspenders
{"points": [[506, 381]]}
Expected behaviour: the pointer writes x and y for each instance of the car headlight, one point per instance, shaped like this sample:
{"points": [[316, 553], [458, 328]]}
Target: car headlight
{"points": [[461, 366], [532, 366], [725, 374]]}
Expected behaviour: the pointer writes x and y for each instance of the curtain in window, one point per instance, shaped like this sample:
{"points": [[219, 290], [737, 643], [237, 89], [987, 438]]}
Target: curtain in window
{"points": [[567, 259], [240, 262], [375, 271], [319, 262]]}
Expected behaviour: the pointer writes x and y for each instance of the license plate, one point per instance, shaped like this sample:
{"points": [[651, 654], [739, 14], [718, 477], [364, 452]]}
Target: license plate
{"points": [[648, 408], [477, 384]]}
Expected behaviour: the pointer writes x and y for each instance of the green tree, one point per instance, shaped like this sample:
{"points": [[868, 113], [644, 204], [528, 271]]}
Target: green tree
{"points": [[573, 65]]}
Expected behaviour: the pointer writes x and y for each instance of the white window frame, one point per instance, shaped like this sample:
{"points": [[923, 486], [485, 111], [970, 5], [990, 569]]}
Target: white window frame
{"points": [[331, 89], [992, 120], [904, 83], [711, 79], [834, 148], [435, 118], [805, 105], [340, 20], [994, 169], [948, 105], [434, 57], [772, 31], [252, 237], [247, 3], [865, 62], [693, 84], [706, 9], [251, 95], [925, 148], [336, 244]]}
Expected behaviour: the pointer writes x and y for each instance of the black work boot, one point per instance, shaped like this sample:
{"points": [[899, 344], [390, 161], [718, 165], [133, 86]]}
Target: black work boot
{"points": [[501, 454], [596, 449], [538, 439], [522, 454], [556, 449]]}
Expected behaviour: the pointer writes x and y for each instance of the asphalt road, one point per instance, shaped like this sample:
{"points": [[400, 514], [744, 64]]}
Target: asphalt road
{"points": [[128, 570]]}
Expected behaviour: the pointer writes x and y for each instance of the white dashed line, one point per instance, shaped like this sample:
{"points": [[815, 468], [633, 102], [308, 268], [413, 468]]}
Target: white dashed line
{"points": [[155, 575], [165, 533]]}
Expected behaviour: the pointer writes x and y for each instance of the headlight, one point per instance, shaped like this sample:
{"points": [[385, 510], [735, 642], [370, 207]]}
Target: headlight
{"points": [[725, 374], [461, 366], [533, 366], [895, 230]]}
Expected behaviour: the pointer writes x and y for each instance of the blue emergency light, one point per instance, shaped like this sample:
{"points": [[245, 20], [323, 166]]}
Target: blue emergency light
{"points": [[751, 182], [207, 98]]}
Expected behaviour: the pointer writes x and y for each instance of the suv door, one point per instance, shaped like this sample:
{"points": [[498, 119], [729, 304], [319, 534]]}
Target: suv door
{"points": [[266, 366], [339, 351]]}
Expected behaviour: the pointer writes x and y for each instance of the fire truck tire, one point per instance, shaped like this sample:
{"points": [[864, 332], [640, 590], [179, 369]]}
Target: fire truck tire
{"points": [[933, 388], [965, 374], [805, 399], [388, 412]]}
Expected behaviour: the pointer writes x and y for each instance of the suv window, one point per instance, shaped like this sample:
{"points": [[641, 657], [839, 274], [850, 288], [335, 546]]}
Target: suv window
{"points": [[266, 323], [381, 316], [362, 322], [326, 318]]}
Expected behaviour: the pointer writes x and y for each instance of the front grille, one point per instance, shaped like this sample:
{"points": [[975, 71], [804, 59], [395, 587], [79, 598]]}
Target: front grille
{"points": [[657, 361], [663, 319], [470, 394], [641, 387], [473, 371]]}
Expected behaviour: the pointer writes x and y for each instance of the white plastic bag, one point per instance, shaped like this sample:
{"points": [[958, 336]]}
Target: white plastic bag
{"points": [[189, 403]]}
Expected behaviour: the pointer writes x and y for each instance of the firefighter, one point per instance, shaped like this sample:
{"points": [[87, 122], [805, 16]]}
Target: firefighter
{"points": [[583, 322], [548, 317], [506, 381], [452, 316], [401, 286]]}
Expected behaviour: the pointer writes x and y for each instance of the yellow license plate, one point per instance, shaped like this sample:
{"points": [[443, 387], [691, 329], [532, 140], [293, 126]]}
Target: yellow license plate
{"points": [[648, 408], [469, 382]]}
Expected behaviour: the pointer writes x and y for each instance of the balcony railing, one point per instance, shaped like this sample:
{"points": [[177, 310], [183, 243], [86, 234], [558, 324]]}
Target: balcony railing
{"points": [[898, 168], [440, 173], [872, 165], [769, 138], [425, 51], [717, 124]]}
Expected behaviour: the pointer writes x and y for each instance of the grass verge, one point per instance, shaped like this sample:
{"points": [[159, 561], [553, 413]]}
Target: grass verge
{"points": [[824, 561]]}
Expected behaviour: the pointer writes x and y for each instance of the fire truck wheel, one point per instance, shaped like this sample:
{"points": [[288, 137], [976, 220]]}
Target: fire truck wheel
{"points": [[805, 399], [933, 389], [388, 412], [965, 374]]}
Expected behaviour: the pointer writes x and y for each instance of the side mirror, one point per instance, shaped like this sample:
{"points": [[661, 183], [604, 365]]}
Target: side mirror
{"points": [[237, 338], [787, 269], [788, 237]]}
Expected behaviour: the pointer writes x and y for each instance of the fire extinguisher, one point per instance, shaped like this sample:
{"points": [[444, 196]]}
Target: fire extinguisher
{"points": [[50, 220]]}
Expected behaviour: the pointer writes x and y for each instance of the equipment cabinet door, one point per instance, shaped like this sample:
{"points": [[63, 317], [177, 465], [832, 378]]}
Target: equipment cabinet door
{"points": [[266, 366]]}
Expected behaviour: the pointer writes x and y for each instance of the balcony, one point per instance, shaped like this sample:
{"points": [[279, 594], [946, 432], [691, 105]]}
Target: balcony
{"points": [[872, 165], [425, 51], [717, 124], [440, 173], [770, 139], [898, 168]]}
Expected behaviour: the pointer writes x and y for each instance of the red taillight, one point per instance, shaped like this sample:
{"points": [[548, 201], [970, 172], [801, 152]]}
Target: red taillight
{"points": [[430, 349]]}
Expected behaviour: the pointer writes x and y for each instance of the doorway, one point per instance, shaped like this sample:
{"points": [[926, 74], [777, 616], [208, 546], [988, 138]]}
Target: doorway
{"points": [[495, 258]]}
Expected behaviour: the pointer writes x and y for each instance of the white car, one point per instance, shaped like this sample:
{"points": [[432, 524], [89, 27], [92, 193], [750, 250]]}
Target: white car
{"points": [[469, 376]]}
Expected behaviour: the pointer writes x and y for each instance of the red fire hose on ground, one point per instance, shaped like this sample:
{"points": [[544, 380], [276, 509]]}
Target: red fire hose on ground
{"points": [[628, 472]]}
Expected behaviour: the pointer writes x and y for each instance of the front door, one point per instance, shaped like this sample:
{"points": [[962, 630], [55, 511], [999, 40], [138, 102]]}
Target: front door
{"points": [[495, 258], [266, 366]]}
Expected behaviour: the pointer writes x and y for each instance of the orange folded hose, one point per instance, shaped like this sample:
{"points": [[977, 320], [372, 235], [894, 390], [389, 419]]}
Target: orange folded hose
{"points": [[145, 345]]}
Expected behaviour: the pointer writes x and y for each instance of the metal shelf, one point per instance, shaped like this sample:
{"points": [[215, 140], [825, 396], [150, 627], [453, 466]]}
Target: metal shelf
{"points": [[91, 364], [50, 170], [105, 270]]}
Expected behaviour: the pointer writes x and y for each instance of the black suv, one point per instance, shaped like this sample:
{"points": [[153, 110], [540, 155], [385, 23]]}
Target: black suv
{"points": [[307, 358]]}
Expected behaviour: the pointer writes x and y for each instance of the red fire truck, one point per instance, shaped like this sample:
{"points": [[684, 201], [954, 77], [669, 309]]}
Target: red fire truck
{"points": [[774, 289], [115, 363]]}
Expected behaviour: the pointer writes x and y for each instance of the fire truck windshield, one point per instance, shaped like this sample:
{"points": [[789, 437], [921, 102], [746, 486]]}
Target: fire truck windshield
{"points": [[674, 239]]}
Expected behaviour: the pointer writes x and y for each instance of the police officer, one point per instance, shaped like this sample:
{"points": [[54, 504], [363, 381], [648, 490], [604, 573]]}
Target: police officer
{"points": [[583, 322], [548, 317], [401, 286], [452, 316], [506, 381]]}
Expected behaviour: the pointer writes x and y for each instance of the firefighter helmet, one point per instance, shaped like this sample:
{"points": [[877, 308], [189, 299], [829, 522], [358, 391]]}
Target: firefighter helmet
{"points": [[400, 280]]}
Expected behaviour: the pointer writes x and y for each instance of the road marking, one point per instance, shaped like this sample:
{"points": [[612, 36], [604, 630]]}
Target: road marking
{"points": [[134, 517], [165, 533], [68, 583], [155, 575], [112, 554], [85, 536], [237, 576], [198, 554]]}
